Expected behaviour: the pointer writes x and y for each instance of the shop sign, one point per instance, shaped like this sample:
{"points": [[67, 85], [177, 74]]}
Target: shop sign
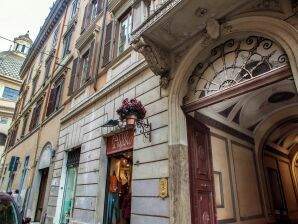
{"points": [[120, 142]]}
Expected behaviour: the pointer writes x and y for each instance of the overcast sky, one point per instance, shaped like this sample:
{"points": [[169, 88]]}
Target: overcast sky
{"points": [[18, 16]]}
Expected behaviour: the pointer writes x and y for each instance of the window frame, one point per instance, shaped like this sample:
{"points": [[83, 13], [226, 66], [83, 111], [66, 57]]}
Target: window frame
{"points": [[127, 16], [11, 91]]}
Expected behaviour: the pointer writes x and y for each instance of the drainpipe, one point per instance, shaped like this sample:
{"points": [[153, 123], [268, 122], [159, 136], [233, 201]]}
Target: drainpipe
{"points": [[100, 43]]}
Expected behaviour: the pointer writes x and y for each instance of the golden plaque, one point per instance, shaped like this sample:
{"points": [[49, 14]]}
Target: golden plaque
{"points": [[163, 187]]}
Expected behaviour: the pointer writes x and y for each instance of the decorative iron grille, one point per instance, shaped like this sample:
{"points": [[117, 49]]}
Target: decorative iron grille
{"points": [[234, 62], [74, 157]]}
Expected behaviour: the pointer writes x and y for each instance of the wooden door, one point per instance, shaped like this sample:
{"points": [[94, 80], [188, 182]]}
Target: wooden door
{"points": [[42, 192], [201, 173]]}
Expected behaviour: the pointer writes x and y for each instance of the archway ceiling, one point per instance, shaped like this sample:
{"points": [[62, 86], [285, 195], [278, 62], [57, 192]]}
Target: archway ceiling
{"points": [[245, 112]]}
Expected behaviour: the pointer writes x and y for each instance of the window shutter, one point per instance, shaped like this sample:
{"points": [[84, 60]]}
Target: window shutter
{"points": [[116, 39], [90, 60], [99, 4], [33, 118], [72, 77], [88, 14], [52, 101], [107, 47], [84, 18]]}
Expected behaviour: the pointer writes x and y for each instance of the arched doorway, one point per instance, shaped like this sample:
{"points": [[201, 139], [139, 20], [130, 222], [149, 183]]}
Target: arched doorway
{"points": [[241, 83], [36, 208]]}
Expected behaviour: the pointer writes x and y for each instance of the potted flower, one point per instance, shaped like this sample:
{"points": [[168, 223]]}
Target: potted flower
{"points": [[131, 110]]}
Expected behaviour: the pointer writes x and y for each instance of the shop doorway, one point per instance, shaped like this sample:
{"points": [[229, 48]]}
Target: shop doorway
{"points": [[41, 196], [73, 161], [243, 96], [118, 201]]}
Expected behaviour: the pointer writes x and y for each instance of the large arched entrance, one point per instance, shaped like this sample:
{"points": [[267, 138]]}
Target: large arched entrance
{"points": [[244, 81]]}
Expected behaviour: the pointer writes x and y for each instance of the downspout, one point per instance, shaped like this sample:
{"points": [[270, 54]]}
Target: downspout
{"points": [[96, 76]]}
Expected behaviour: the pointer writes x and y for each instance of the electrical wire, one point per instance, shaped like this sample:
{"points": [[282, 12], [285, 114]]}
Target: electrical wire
{"points": [[42, 52]]}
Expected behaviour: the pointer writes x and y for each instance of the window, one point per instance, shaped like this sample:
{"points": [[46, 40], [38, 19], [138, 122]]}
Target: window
{"points": [[55, 97], [81, 78], [3, 120], [48, 68], [30, 74], [91, 10], [55, 37], [81, 70], [66, 44], [24, 171], [2, 139], [24, 99], [34, 83], [125, 26], [107, 46], [35, 115], [74, 8], [42, 55], [13, 135], [25, 121], [10, 93]]}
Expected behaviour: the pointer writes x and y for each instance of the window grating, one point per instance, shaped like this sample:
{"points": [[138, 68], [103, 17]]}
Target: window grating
{"points": [[74, 157]]}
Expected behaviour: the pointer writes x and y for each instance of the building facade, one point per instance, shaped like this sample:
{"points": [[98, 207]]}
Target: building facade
{"points": [[218, 81], [10, 82]]}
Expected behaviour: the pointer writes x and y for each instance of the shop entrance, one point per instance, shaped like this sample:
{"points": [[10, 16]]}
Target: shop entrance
{"points": [[42, 191], [241, 102], [119, 178], [119, 188]]}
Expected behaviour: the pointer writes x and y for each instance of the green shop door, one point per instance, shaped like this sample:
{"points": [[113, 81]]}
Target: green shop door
{"points": [[73, 160], [69, 194]]}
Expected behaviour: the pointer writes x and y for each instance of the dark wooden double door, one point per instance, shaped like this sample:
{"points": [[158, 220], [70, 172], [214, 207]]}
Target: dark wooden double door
{"points": [[203, 209]]}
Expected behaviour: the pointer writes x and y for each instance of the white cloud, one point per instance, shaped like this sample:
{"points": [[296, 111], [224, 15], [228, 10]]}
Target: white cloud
{"points": [[18, 16]]}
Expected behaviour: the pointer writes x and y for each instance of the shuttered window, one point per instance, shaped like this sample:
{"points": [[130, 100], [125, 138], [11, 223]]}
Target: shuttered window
{"points": [[88, 72], [35, 115], [107, 46], [73, 76], [25, 121], [48, 68], [55, 98], [99, 6], [84, 18]]}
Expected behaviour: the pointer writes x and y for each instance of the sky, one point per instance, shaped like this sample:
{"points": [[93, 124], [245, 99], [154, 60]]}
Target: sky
{"points": [[19, 16]]}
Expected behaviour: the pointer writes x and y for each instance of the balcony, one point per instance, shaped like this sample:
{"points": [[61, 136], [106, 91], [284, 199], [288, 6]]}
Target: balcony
{"points": [[161, 27]]}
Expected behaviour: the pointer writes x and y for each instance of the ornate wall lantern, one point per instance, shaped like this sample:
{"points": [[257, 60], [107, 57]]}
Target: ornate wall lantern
{"points": [[132, 115]]}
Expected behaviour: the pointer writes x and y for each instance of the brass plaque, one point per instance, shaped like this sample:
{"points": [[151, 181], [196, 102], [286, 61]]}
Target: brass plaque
{"points": [[163, 187]]}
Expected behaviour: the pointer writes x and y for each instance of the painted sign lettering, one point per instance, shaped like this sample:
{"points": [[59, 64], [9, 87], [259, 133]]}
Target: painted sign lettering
{"points": [[120, 142]]}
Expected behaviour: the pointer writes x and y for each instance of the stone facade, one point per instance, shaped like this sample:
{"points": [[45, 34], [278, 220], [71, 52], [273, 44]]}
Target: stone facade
{"points": [[159, 64]]}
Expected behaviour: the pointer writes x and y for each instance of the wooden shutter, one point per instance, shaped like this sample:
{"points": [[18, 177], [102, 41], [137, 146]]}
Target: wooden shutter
{"points": [[116, 39], [88, 14], [107, 46], [52, 102], [32, 119], [84, 18], [99, 4], [72, 77], [90, 60]]}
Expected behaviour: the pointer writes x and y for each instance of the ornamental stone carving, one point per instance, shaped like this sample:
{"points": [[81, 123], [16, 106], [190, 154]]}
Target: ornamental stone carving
{"points": [[156, 57]]}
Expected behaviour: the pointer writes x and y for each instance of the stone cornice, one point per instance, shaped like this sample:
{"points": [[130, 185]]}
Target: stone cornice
{"points": [[87, 36], [45, 31]]}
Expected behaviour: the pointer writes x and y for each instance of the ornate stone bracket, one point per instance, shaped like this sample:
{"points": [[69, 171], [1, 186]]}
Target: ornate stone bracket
{"points": [[156, 57]]}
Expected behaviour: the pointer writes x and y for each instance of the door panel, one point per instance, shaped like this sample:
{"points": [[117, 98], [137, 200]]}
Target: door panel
{"points": [[201, 173]]}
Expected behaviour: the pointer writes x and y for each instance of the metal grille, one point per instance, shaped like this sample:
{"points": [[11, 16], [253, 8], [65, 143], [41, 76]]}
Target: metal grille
{"points": [[233, 62], [74, 157]]}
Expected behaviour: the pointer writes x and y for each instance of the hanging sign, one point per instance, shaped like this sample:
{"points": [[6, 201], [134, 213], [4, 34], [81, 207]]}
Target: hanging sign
{"points": [[120, 142]]}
